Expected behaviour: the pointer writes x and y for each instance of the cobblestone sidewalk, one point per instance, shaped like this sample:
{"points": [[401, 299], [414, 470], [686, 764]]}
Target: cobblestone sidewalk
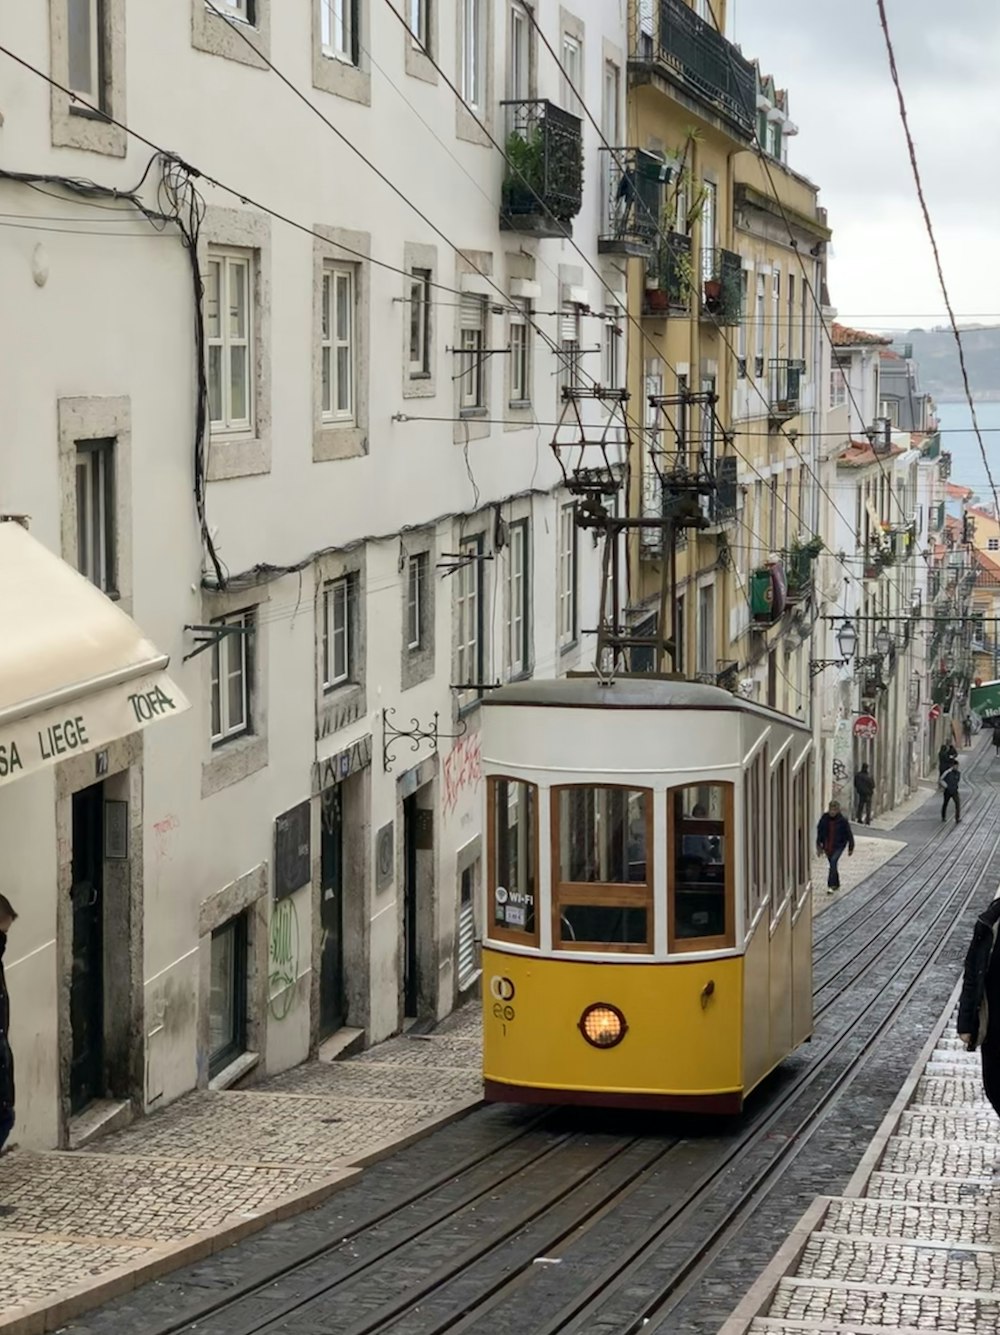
{"points": [[869, 855], [213, 1167]]}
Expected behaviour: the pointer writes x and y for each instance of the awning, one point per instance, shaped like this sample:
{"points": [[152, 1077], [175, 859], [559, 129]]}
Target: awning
{"points": [[75, 672]]}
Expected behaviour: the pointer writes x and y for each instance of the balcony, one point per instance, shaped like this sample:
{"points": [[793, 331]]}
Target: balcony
{"points": [[673, 42], [669, 277], [722, 287], [785, 382], [543, 185], [634, 184]]}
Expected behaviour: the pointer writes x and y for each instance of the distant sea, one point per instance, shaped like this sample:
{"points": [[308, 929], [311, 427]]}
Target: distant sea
{"points": [[958, 437]]}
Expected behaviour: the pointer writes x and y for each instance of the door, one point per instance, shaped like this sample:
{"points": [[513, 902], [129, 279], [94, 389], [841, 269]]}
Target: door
{"points": [[332, 1003], [86, 994], [410, 978]]}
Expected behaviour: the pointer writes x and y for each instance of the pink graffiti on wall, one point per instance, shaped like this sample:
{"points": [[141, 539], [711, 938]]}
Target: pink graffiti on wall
{"points": [[462, 770]]}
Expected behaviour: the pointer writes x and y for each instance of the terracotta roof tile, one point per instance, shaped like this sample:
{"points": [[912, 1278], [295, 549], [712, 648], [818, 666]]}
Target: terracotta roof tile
{"points": [[843, 337], [860, 453]]}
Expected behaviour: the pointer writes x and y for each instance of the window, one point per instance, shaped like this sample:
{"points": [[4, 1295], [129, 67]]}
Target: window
{"points": [[518, 600], [572, 63], [520, 352], [760, 358], [519, 55], [512, 855], [227, 1002], [741, 333], [781, 848], [417, 18], [469, 617], [803, 827], [567, 576], [236, 9], [791, 316], [706, 629], [338, 647], [337, 344], [85, 50], [700, 876], [755, 845], [420, 324], [468, 894], [231, 677], [338, 26], [229, 336], [611, 108], [471, 360], [473, 81], [569, 347], [416, 583], [95, 511], [838, 382], [612, 336], [710, 195], [602, 843], [993, 544]]}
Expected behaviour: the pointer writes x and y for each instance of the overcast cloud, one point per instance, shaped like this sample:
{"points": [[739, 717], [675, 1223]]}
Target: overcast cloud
{"points": [[830, 55]]}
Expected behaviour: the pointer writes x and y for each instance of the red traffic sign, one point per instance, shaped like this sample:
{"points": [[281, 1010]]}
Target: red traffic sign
{"points": [[866, 726], [935, 712]]}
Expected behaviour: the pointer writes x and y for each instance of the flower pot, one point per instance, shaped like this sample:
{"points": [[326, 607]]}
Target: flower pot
{"points": [[657, 300], [713, 289]]}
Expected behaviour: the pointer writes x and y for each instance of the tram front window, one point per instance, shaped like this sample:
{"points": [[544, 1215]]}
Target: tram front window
{"points": [[603, 874], [700, 909], [513, 858]]}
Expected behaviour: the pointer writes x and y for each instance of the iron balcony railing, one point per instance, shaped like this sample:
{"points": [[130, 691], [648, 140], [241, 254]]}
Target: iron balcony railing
{"points": [[785, 383], [670, 34], [543, 184], [722, 286], [669, 276], [634, 183]]}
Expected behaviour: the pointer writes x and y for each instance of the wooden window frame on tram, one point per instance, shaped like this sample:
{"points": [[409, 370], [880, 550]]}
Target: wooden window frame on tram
{"points": [[700, 944], [602, 894], [512, 935]]}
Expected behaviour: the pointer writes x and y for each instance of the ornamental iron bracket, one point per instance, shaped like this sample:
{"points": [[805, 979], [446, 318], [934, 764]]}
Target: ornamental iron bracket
{"points": [[416, 735], [817, 665], [207, 637]]}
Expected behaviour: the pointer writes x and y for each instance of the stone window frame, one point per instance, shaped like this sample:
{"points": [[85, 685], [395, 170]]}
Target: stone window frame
{"points": [[330, 74], [97, 418], [479, 526], [218, 35], [247, 895], [349, 249], [235, 760], [229, 454], [342, 705], [417, 256], [416, 63], [520, 267], [473, 272], [468, 124], [73, 124], [570, 25], [417, 665], [519, 512]]}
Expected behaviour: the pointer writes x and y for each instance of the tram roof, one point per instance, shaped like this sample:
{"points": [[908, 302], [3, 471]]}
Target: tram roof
{"points": [[629, 692]]}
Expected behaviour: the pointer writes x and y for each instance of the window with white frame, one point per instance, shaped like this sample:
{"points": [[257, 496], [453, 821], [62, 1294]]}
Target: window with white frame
{"points": [[95, 512], [520, 351], [85, 50], [566, 621], [611, 343], [519, 54], [338, 27], [611, 105], [518, 600], [420, 324], [338, 638], [471, 359], [741, 332], [838, 381], [416, 583], [706, 629], [993, 544], [418, 21], [469, 616], [572, 63], [234, 9], [473, 71], [709, 211], [229, 322], [231, 677], [569, 346], [337, 343], [760, 359]]}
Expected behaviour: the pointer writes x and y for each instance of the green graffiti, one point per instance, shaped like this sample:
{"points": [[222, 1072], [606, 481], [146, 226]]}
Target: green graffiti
{"points": [[283, 968]]}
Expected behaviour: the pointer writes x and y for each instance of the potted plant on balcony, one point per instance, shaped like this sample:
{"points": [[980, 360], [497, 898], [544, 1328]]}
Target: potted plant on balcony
{"points": [[523, 187]]}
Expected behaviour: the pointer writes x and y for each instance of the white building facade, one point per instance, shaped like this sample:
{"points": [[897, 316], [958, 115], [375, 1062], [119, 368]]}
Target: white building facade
{"points": [[324, 487]]}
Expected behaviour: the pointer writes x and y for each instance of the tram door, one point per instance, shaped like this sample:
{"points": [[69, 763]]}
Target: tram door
{"points": [[332, 1003], [86, 989]]}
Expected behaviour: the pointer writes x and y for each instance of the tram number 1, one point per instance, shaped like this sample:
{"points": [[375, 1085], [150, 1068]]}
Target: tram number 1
{"points": [[502, 991]]}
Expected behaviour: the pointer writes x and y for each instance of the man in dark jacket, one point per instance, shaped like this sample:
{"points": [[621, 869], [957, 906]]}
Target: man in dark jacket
{"points": [[946, 757], [980, 1000], [7, 916], [949, 785], [833, 835], [967, 730], [864, 791]]}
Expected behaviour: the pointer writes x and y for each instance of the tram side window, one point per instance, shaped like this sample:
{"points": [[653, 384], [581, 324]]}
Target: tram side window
{"points": [[803, 831], [604, 885], [701, 912], [513, 858], [755, 843]]}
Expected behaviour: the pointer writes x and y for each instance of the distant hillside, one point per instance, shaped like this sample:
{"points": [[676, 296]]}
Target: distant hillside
{"points": [[936, 356]]}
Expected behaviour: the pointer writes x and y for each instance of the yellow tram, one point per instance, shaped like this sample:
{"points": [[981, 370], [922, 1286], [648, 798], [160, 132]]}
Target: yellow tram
{"points": [[648, 924]]}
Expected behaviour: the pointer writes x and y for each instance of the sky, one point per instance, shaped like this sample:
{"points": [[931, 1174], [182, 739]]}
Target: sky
{"points": [[831, 56]]}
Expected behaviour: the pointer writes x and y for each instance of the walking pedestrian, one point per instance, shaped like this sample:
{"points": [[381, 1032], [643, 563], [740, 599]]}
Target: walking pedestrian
{"points": [[949, 785], [981, 998], [996, 737], [948, 755], [7, 917], [967, 730], [833, 835], [864, 791]]}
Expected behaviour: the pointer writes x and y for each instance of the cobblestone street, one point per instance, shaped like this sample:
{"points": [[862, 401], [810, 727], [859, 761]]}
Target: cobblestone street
{"points": [[215, 1166]]}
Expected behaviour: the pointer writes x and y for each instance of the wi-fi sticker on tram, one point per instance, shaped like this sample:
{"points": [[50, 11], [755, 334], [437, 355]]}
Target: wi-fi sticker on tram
{"points": [[501, 989]]}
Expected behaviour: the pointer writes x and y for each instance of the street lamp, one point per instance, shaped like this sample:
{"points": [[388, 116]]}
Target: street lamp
{"points": [[847, 641], [883, 640]]}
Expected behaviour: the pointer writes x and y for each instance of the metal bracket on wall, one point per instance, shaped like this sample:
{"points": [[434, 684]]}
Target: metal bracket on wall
{"points": [[416, 734], [206, 637]]}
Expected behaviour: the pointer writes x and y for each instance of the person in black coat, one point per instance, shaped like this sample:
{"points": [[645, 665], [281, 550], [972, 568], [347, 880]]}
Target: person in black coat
{"points": [[947, 757], [7, 916], [980, 1000], [833, 835], [949, 787], [864, 791]]}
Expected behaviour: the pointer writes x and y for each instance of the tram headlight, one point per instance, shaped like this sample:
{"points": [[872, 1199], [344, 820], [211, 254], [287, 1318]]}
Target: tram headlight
{"points": [[603, 1025]]}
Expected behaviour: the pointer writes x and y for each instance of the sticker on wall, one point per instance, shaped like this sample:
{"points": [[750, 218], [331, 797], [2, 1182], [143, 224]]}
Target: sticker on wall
{"points": [[385, 856]]}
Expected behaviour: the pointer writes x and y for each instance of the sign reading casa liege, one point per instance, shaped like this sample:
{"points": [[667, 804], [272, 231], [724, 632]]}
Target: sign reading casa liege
{"points": [[91, 721]]}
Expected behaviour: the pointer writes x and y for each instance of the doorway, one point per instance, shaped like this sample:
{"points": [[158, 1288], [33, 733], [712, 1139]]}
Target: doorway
{"points": [[86, 1000], [332, 993], [411, 980]]}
